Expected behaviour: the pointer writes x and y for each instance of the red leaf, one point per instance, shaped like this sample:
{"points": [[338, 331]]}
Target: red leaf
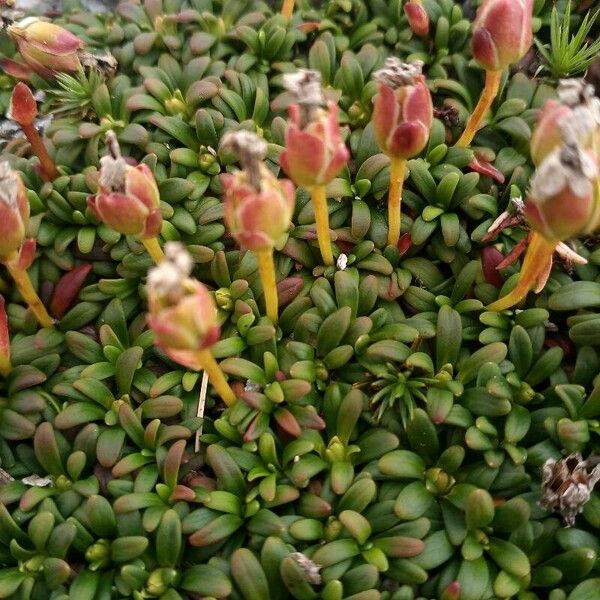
{"points": [[67, 289], [490, 259], [479, 165]]}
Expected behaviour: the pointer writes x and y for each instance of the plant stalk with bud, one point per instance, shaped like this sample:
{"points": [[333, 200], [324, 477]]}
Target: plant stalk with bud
{"points": [[183, 317], [23, 110], [314, 152], [17, 253], [402, 120], [502, 35], [564, 199], [258, 209], [562, 203], [128, 200]]}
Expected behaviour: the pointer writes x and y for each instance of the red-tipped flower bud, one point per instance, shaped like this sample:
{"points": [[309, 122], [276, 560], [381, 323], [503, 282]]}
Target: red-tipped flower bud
{"points": [[502, 33], [258, 206], [258, 219], [403, 110], [314, 151], [562, 198], [47, 48], [574, 118], [182, 312], [417, 16], [23, 107], [14, 212], [547, 136], [128, 198]]}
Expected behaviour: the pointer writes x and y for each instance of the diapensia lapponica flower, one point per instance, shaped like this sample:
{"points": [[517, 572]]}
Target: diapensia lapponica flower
{"points": [[182, 313], [576, 115], [502, 33], [402, 120], [402, 109], [16, 251], [45, 47], [14, 212], [418, 19], [314, 152], [128, 198], [258, 206]]}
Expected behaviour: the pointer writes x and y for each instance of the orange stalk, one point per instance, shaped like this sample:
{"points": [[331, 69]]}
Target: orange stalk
{"points": [[489, 93], [536, 262], [287, 9], [49, 170]]}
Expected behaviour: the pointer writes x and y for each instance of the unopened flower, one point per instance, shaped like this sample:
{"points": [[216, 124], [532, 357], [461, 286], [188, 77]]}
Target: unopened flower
{"points": [[314, 152], [403, 110], [258, 209], [23, 110], [562, 199], [502, 33], [128, 198], [258, 219], [417, 16], [567, 485], [46, 48], [574, 119], [14, 212], [547, 136], [182, 312], [23, 106]]}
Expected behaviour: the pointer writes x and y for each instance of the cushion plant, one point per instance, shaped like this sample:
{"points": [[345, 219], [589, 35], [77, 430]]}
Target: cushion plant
{"points": [[378, 379]]}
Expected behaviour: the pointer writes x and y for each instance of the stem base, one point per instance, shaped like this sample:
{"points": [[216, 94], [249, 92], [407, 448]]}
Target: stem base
{"points": [[216, 377]]}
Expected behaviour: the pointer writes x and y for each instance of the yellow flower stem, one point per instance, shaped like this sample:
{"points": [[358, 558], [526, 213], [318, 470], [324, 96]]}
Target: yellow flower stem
{"points": [[539, 253], [287, 9], [489, 93], [23, 283], [216, 377], [5, 366], [153, 248], [266, 270], [318, 195], [397, 172]]}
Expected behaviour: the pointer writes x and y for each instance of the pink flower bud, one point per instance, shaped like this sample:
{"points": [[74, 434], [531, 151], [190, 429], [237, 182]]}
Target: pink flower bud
{"points": [[23, 107], [128, 199], [47, 48], [403, 110], [182, 312], [547, 135], [502, 33], [417, 16], [562, 196], [314, 151], [258, 219], [14, 212]]}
